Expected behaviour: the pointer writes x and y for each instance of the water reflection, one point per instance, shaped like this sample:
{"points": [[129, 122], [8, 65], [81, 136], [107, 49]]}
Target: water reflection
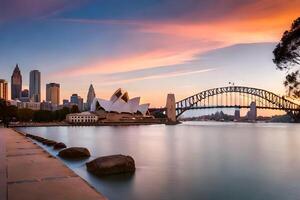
{"points": [[192, 160]]}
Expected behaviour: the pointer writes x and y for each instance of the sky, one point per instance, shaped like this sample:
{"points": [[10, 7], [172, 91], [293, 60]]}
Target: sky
{"points": [[148, 47]]}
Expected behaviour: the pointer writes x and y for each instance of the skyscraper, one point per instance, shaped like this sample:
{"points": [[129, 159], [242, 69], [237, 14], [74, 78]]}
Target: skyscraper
{"points": [[35, 86], [16, 83], [53, 93], [3, 90], [75, 99], [90, 97], [24, 96]]}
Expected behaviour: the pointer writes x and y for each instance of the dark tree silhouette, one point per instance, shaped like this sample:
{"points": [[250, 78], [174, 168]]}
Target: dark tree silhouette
{"points": [[287, 57], [7, 112], [74, 109]]}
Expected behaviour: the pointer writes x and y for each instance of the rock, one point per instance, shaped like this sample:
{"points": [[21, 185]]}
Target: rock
{"points": [[38, 138], [113, 164], [49, 142], [74, 152], [59, 145]]}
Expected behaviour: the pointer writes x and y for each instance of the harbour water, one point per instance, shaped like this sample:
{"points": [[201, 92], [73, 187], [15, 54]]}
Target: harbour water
{"points": [[193, 160]]}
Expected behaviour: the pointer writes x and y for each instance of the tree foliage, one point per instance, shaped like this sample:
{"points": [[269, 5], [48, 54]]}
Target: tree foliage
{"points": [[287, 57], [10, 113], [25, 114], [74, 109]]}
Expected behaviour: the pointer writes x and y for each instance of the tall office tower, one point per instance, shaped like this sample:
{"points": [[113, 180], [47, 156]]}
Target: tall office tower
{"points": [[16, 83], [90, 97], [80, 104], [53, 93], [35, 86], [3, 90]]}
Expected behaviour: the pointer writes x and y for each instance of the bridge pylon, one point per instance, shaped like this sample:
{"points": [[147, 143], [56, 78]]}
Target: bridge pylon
{"points": [[171, 109]]}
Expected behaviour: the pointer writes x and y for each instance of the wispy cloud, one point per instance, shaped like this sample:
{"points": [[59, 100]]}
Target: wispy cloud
{"points": [[162, 55], [32, 9], [158, 76]]}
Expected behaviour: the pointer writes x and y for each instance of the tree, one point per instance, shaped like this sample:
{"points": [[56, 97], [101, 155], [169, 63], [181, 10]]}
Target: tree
{"points": [[74, 109], [60, 115], [287, 58], [7, 112], [25, 114], [42, 116]]}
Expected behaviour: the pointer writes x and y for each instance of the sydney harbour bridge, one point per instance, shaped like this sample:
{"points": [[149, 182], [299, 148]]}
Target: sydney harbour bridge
{"points": [[232, 97]]}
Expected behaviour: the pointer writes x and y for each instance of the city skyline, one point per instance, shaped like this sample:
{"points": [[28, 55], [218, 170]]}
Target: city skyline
{"points": [[194, 44]]}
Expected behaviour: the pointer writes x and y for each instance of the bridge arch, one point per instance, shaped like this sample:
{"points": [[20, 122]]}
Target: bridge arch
{"points": [[266, 99]]}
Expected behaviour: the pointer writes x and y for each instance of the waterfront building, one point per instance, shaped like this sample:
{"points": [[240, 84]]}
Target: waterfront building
{"points": [[53, 93], [35, 86], [32, 105], [25, 95], [120, 103], [45, 105], [29, 105], [82, 118], [16, 83], [90, 97], [3, 90]]}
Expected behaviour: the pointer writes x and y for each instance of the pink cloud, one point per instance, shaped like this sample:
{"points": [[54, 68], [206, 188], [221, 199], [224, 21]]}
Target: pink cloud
{"points": [[180, 41]]}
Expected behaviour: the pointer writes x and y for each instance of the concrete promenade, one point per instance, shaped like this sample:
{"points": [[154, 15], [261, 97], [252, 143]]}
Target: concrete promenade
{"points": [[27, 172]]}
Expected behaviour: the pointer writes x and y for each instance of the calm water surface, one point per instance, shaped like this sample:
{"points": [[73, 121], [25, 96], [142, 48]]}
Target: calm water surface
{"points": [[195, 160]]}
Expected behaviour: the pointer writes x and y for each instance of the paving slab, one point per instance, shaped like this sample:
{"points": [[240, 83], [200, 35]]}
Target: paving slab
{"points": [[28, 167], [3, 173], [60, 188], [27, 172]]}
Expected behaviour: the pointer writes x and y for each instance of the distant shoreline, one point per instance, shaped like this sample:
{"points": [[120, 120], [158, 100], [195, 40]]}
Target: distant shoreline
{"points": [[53, 124]]}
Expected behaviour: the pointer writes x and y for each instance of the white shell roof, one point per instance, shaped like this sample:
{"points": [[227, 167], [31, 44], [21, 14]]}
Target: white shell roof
{"points": [[120, 103]]}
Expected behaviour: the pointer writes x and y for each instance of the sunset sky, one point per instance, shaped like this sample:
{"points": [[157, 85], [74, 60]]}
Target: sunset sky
{"points": [[148, 47]]}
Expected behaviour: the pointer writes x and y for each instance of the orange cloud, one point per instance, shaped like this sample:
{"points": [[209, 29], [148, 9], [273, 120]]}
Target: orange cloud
{"points": [[165, 56], [259, 21]]}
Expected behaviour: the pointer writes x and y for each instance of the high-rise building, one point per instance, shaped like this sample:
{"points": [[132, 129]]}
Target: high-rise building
{"points": [[75, 99], [35, 86], [90, 97], [16, 83], [3, 90], [53, 93], [24, 96], [65, 102], [80, 104]]}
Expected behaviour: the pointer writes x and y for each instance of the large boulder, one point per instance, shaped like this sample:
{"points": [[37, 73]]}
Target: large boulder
{"points": [[59, 145], [114, 164], [74, 152]]}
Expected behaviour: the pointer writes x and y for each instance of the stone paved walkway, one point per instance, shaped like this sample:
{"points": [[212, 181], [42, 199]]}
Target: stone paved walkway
{"points": [[27, 172]]}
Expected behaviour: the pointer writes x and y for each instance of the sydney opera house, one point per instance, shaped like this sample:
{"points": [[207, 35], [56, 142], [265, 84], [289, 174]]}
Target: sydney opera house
{"points": [[120, 103]]}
